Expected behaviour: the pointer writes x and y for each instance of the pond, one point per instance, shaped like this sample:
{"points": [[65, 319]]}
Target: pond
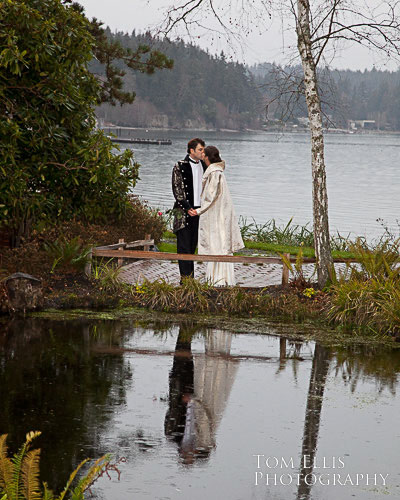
{"points": [[201, 413]]}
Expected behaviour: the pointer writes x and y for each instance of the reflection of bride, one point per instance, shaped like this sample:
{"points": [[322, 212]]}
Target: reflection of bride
{"points": [[195, 412]]}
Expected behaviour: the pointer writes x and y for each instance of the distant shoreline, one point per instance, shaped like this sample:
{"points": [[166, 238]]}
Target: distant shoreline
{"points": [[267, 131]]}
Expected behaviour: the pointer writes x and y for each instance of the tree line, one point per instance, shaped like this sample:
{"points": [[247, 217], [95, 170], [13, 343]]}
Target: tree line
{"points": [[346, 94], [201, 90], [206, 90]]}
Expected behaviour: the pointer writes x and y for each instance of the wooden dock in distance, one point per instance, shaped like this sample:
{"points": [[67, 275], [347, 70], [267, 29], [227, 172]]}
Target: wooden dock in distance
{"points": [[117, 133], [162, 142]]}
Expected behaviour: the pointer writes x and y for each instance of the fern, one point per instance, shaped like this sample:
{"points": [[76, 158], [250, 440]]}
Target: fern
{"points": [[5, 467], [30, 476], [17, 459], [93, 474], [71, 479], [19, 475]]}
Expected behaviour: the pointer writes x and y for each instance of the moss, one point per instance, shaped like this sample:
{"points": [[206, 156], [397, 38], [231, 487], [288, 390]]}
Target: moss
{"points": [[149, 319]]}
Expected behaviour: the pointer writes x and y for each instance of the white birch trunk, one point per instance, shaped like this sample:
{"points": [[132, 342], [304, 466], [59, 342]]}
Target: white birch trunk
{"points": [[320, 195]]}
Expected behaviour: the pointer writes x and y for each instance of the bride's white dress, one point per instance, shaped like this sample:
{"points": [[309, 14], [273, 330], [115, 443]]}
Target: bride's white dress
{"points": [[220, 274], [219, 232]]}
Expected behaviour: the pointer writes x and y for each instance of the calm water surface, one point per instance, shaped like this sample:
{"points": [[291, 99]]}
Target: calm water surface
{"points": [[270, 176], [193, 410]]}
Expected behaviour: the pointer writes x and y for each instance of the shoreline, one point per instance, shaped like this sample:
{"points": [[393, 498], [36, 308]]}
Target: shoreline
{"points": [[306, 331], [271, 130], [285, 310]]}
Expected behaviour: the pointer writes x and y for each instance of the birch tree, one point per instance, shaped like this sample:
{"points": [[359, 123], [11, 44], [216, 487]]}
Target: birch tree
{"points": [[322, 28]]}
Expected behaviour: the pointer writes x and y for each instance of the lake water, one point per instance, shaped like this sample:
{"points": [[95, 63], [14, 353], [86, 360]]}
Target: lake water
{"points": [[270, 176], [202, 413]]}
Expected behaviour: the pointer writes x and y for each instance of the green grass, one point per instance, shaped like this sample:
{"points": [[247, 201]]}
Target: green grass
{"points": [[167, 247], [273, 248], [169, 235]]}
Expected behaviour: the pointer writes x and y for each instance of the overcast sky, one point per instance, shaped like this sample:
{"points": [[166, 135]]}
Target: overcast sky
{"points": [[269, 46]]}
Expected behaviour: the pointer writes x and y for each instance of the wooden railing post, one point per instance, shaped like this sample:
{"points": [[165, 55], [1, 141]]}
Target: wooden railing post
{"points": [[146, 248], [88, 265], [285, 270], [120, 261]]}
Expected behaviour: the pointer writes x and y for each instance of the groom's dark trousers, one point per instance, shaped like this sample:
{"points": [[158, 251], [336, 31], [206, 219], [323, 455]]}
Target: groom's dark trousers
{"points": [[186, 243]]}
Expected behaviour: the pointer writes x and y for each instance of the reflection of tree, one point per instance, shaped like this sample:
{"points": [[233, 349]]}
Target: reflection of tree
{"points": [[358, 362], [50, 380], [289, 349], [319, 372], [199, 388]]}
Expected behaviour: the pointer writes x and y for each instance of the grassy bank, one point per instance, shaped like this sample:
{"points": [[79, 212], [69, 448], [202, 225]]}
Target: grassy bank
{"points": [[366, 300], [169, 245]]}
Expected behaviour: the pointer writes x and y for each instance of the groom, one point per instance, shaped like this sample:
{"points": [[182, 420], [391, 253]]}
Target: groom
{"points": [[186, 187]]}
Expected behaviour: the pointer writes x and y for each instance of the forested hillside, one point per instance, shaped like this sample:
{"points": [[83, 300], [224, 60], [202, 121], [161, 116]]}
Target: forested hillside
{"points": [[347, 95], [202, 90]]}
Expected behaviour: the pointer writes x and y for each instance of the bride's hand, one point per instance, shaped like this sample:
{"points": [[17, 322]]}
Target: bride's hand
{"points": [[192, 212]]}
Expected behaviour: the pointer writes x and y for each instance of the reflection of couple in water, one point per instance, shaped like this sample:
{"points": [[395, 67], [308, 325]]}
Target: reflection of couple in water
{"points": [[199, 387], [204, 212]]}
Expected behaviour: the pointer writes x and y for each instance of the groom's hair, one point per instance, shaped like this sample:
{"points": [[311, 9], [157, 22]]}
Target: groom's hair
{"points": [[212, 154], [193, 143]]}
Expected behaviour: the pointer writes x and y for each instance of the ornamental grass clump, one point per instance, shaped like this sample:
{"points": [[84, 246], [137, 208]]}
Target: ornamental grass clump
{"points": [[270, 232], [236, 301], [107, 275], [191, 296], [370, 299]]}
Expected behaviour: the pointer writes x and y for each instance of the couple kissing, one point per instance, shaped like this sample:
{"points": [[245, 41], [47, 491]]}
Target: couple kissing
{"points": [[203, 212]]}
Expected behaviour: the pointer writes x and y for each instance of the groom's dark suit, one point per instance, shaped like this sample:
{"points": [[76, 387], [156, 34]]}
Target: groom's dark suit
{"points": [[185, 226]]}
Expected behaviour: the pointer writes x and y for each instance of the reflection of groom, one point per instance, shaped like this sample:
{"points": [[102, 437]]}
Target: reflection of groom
{"points": [[186, 187], [199, 388]]}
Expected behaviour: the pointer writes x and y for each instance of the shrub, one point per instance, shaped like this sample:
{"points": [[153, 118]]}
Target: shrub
{"points": [[68, 255], [370, 299], [33, 258]]}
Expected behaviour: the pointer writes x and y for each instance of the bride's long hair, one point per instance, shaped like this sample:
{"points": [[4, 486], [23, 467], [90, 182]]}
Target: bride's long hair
{"points": [[212, 154]]}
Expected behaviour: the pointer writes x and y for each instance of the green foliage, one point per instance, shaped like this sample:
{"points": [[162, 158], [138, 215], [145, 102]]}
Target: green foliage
{"points": [[192, 295], [19, 474], [270, 232], [109, 49], [107, 275], [289, 238], [380, 261], [70, 254], [196, 297], [298, 280], [52, 163], [370, 299], [32, 257]]}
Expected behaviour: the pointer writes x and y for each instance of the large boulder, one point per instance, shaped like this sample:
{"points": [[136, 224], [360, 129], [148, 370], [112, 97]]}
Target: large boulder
{"points": [[24, 291]]}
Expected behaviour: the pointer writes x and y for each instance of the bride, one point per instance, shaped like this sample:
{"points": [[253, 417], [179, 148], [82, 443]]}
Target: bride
{"points": [[219, 232]]}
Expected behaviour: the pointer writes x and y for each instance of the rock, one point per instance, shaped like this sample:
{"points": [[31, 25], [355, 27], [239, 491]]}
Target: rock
{"points": [[25, 292]]}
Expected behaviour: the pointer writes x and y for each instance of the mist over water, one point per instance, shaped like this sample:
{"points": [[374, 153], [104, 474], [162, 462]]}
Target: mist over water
{"points": [[269, 175]]}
